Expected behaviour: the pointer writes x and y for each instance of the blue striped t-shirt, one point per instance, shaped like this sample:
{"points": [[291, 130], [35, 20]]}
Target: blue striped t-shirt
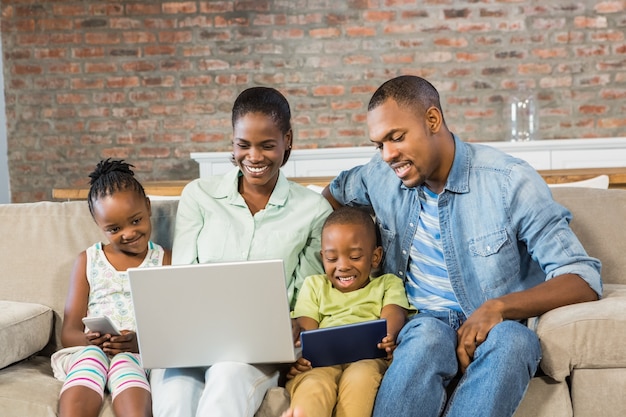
{"points": [[428, 285]]}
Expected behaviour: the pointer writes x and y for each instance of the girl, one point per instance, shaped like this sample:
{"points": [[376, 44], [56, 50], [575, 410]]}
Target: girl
{"points": [[250, 213], [99, 286]]}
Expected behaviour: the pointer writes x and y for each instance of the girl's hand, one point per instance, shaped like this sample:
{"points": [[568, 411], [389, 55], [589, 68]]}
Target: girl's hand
{"points": [[97, 339], [301, 365], [126, 342], [388, 344]]}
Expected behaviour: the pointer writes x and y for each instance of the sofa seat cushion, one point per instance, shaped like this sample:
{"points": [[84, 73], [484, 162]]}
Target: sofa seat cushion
{"points": [[25, 329], [29, 389], [586, 335]]}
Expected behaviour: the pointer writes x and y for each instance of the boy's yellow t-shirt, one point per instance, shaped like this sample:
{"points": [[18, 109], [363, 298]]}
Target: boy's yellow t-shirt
{"points": [[330, 307]]}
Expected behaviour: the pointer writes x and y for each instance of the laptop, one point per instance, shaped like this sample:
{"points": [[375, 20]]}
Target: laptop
{"points": [[344, 344], [200, 314]]}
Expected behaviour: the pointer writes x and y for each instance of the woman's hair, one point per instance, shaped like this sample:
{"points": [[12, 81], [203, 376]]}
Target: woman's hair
{"points": [[267, 101], [347, 215], [407, 90], [111, 176]]}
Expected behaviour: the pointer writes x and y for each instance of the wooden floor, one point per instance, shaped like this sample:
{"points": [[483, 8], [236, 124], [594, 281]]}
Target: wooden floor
{"points": [[617, 179]]}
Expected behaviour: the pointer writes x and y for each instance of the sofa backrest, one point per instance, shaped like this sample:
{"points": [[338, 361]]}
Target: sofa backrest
{"points": [[599, 221], [42, 240]]}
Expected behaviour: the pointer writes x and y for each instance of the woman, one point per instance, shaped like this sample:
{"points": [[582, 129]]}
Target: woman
{"points": [[250, 213]]}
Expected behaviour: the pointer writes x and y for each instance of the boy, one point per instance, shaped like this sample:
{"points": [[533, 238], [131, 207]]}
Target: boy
{"points": [[346, 294]]}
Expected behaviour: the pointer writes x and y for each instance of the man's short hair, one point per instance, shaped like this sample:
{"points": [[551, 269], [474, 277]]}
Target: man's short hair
{"points": [[408, 90]]}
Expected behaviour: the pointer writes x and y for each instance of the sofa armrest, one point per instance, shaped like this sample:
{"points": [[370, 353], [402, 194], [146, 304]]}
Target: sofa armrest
{"points": [[585, 335], [25, 329]]}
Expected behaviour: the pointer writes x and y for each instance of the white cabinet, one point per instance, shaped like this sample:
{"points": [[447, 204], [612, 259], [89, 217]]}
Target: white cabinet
{"points": [[541, 154]]}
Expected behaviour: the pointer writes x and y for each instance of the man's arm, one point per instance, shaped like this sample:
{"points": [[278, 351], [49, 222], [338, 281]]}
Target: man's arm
{"points": [[327, 194], [557, 292]]}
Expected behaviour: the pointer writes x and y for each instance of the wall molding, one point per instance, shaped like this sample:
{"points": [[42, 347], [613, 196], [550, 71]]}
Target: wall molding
{"points": [[541, 154]]}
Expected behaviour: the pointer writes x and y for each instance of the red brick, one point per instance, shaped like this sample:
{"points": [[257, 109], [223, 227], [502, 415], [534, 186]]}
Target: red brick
{"points": [[195, 21], [116, 152], [591, 109], [92, 52], [158, 81], [106, 9], [379, 16], [146, 8], [614, 6], [122, 82], [32, 39], [194, 81], [288, 33], [112, 97], [451, 42], [72, 98], [213, 6], [207, 137], [100, 67], [212, 65], [360, 31], [175, 37], [139, 66], [324, 33], [51, 83], [169, 138], [176, 124], [68, 10], [59, 113], [597, 22], [184, 7], [329, 90], [27, 70], [138, 37], [55, 24], [50, 53], [94, 112], [399, 29]]}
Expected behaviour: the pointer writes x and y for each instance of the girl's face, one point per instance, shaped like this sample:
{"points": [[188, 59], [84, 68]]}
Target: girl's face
{"points": [[124, 217], [259, 149]]}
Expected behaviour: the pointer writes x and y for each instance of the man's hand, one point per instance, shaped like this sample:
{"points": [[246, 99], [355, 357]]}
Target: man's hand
{"points": [[475, 330]]}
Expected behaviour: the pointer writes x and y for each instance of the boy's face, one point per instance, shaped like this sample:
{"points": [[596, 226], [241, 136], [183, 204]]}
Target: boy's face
{"points": [[349, 253], [124, 217]]}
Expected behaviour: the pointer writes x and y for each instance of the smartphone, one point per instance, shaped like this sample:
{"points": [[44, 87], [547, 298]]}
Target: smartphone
{"points": [[102, 325]]}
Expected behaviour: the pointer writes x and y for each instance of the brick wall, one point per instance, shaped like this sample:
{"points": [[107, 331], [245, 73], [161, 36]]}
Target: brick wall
{"points": [[152, 81]]}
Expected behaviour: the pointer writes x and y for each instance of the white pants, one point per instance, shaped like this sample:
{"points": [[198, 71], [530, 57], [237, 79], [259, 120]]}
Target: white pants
{"points": [[226, 389]]}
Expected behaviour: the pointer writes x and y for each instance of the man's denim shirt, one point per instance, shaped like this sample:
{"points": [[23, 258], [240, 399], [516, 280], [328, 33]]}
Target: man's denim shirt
{"points": [[501, 231]]}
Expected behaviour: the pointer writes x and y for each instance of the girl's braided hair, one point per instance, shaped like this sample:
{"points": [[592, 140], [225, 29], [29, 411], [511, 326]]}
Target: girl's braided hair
{"points": [[111, 176]]}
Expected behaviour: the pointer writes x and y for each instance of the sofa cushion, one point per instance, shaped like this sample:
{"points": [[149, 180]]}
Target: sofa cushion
{"points": [[25, 329], [29, 389], [585, 335]]}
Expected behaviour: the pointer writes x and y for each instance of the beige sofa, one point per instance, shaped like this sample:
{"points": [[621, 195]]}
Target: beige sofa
{"points": [[584, 345]]}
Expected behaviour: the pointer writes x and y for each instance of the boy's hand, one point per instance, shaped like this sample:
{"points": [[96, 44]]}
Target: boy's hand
{"points": [[295, 331], [388, 344], [301, 365], [126, 342]]}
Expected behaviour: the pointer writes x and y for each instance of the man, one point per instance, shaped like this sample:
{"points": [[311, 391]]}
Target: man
{"points": [[481, 245]]}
